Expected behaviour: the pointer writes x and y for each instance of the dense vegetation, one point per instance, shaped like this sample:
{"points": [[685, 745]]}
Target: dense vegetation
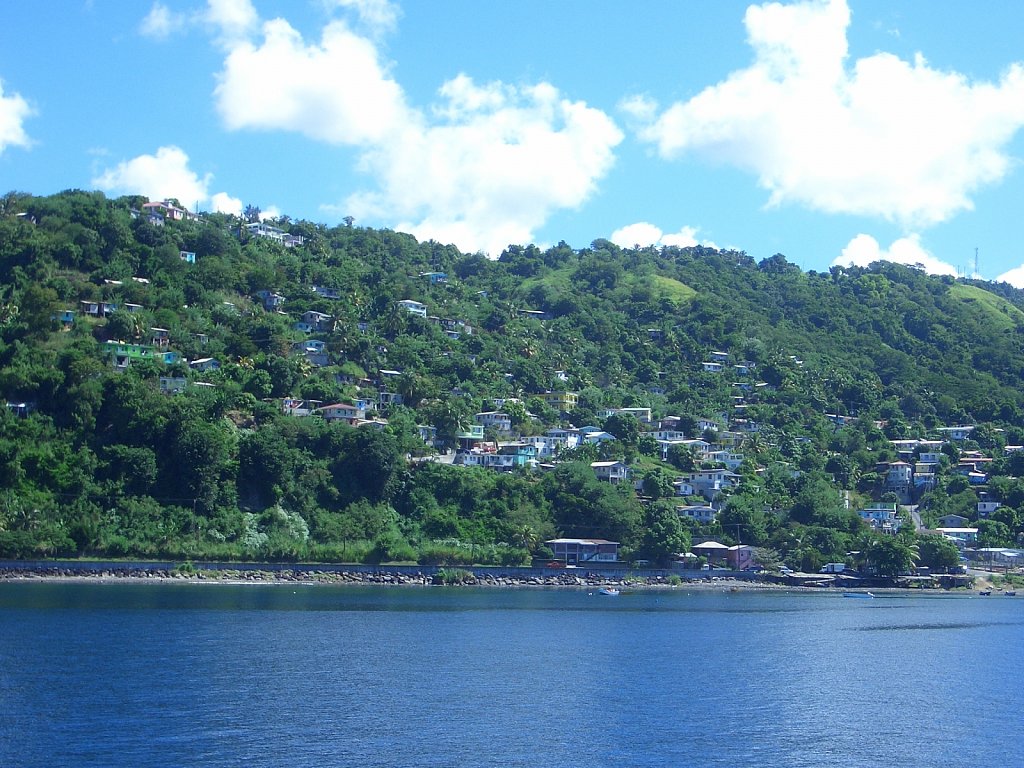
{"points": [[101, 462]]}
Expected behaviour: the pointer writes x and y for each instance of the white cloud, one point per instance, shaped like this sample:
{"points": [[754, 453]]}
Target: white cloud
{"points": [[222, 202], [160, 23], [335, 91], [163, 175], [234, 20], [483, 168], [1014, 277], [643, 233], [864, 250], [881, 136], [14, 110], [492, 171], [378, 15]]}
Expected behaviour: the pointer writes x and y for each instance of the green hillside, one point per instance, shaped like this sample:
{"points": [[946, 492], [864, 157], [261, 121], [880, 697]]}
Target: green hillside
{"points": [[167, 376]]}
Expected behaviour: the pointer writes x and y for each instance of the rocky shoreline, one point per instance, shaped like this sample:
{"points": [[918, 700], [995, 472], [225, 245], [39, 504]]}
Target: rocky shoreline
{"points": [[383, 578]]}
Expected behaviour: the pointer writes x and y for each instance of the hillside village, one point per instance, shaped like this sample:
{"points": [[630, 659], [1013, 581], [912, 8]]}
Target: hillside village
{"points": [[739, 449]]}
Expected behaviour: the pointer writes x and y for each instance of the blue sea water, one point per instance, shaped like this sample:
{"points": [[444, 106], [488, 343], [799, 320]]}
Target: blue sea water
{"points": [[284, 675]]}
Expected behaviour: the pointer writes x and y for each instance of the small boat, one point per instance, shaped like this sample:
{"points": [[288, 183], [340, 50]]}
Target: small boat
{"points": [[610, 591], [1010, 594], [985, 592], [867, 595]]}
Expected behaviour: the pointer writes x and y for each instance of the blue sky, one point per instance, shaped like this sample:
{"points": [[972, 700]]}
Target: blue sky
{"points": [[828, 130]]}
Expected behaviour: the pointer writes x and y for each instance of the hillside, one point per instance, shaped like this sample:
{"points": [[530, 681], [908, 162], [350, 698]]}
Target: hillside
{"points": [[202, 386]]}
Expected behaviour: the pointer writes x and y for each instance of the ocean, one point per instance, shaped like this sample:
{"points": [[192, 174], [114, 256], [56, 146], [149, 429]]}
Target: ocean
{"points": [[176, 674]]}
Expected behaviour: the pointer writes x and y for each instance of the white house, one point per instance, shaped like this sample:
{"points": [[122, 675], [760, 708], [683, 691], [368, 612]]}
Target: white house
{"points": [[702, 513], [342, 412], [582, 551], [881, 517], [413, 307], [496, 420], [613, 471]]}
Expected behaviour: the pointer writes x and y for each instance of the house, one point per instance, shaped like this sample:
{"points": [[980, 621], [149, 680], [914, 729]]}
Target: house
{"points": [[881, 517], [561, 401], [164, 209], [122, 354], [957, 434], [614, 472], [270, 299], [952, 521], [435, 278], [506, 457], [584, 551], [205, 364], [536, 314], [327, 293], [960, 536], [172, 385], [318, 321], [596, 436], [66, 318], [683, 487], [311, 346], [98, 308], [389, 398], [705, 424], [291, 406], [709, 483], [666, 434], [520, 453], [986, 507], [188, 257], [730, 459], [496, 420], [719, 357], [341, 412], [470, 436], [21, 409], [898, 476], [702, 513], [740, 556], [710, 366], [259, 229], [413, 307], [161, 337]]}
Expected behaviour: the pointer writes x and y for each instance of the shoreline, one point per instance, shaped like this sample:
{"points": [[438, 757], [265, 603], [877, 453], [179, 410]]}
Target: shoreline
{"points": [[231, 577]]}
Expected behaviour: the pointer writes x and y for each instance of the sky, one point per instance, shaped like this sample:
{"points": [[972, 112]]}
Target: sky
{"points": [[830, 131]]}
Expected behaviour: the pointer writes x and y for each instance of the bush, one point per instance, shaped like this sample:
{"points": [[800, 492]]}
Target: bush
{"points": [[453, 576]]}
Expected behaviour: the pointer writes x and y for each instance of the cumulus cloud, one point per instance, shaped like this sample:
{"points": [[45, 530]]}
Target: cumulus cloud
{"points": [[164, 175], [1014, 277], [492, 168], [877, 136], [14, 110], [222, 202], [482, 168], [864, 250], [335, 91], [643, 233]]}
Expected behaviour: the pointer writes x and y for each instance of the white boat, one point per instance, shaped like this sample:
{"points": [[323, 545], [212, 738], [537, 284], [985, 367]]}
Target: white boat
{"points": [[611, 591], [858, 594]]}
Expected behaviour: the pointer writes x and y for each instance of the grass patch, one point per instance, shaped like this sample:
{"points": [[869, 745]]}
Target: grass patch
{"points": [[994, 309]]}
